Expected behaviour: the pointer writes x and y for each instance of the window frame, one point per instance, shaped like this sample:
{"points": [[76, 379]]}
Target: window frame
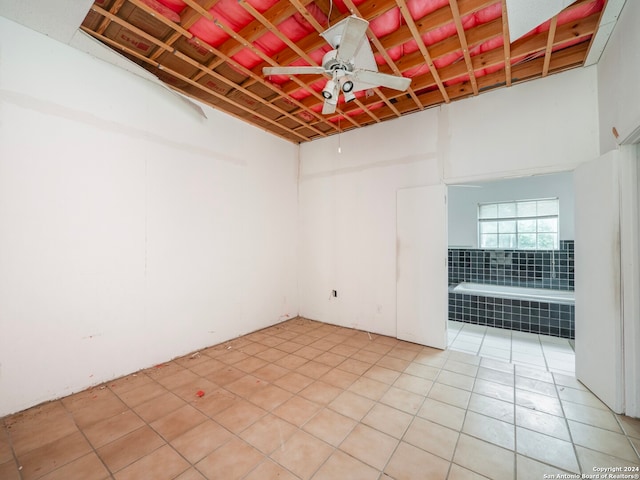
{"points": [[515, 218]]}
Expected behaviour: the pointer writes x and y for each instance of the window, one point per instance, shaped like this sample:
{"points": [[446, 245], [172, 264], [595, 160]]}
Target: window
{"points": [[519, 225]]}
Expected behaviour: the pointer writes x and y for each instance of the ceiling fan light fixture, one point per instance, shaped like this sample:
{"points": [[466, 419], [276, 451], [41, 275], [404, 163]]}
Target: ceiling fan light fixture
{"points": [[328, 90], [349, 96], [346, 85]]}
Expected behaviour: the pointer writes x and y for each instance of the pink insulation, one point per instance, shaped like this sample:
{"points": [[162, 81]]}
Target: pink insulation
{"points": [[175, 5], [231, 14], [420, 8], [386, 23], [438, 34], [342, 8], [162, 10]]}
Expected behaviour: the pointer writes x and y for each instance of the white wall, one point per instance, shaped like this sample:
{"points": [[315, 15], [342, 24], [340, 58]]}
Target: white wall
{"points": [[547, 125], [347, 209], [619, 78], [464, 200], [132, 230], [347, 201], [619, 107]]}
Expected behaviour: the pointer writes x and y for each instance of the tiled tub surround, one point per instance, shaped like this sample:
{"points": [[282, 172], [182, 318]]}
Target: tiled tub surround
{"points": [[552, 269], [520, 315], [549, 269]]}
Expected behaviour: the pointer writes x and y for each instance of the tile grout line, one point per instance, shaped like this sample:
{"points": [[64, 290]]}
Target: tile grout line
{"points": [[81, 431], [566, 421]]}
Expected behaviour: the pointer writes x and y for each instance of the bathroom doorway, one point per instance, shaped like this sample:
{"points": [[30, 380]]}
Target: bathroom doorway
{"points": [[502, 267]]}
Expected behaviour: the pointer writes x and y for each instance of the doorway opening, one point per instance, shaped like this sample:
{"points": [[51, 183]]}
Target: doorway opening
{"points": [[511, 271]]}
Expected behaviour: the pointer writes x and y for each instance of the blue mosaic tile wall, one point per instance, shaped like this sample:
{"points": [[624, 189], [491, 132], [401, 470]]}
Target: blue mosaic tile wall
{"points": [[551, 269]]}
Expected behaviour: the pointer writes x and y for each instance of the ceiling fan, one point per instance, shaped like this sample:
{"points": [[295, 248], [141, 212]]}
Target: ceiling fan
{"points": [[351, 65]]}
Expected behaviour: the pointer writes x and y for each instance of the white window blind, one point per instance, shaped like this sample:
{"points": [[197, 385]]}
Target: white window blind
{"points": [[519, 225]]}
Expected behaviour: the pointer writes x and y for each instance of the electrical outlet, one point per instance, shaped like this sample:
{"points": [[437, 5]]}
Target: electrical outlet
{"points": [[334, 293]]}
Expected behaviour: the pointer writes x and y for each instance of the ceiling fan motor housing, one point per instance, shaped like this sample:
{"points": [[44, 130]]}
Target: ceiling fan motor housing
{"points": [[330, 62]]}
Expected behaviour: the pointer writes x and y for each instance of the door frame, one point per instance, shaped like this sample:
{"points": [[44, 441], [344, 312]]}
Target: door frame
{"points": [[630, 274]]}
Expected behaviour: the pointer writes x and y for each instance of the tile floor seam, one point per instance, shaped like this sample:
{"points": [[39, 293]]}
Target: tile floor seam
{"points": [[82, 432], [566, 421], [455, 448], [148, 424], [166, 441], [624, 431], [333, 451]]}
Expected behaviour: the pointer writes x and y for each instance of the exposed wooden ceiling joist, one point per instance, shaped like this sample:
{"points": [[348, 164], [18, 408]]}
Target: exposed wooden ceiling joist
{"points": [[450, 49]]}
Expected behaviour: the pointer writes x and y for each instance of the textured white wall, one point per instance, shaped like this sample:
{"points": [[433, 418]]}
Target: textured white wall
{"points": [[619, 78], [547, 125], [132, 230]]}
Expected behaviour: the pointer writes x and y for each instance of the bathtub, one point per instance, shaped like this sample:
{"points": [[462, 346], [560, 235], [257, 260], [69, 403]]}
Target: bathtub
{"points": [[533, 310], [562, 297]]}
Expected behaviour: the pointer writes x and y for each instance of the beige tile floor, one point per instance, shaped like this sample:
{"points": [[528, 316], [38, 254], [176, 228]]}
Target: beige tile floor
{"points": [[306, 400], [521, 348]]}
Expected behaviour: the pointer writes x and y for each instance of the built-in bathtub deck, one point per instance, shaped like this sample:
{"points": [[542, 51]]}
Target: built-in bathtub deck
{"points": [[532, 310]]}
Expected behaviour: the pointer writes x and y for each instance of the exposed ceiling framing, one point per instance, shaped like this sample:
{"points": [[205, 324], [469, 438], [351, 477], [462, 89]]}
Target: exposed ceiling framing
{"points": [[214, 51]]}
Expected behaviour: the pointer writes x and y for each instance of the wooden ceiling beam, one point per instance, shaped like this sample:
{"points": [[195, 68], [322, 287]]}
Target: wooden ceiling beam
{"points": [[463, 43], [189, 15], [329, 9], [274, 15], [506, 42], [559, 61], [530, 45], [258, 79], [432, 21], [429, 22], [549, 48], [406, 14], [115, 8], [178, 30], [381, 50], [193, 83], [205, 69], [265, 58], [564, 33], [302, 10], [562, 60], [123, 23]]}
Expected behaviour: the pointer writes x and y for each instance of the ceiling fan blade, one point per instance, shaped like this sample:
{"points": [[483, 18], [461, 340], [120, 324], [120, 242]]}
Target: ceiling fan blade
{"points": [[301, 70], [328, 108], [353, 35], [382, 79]]}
